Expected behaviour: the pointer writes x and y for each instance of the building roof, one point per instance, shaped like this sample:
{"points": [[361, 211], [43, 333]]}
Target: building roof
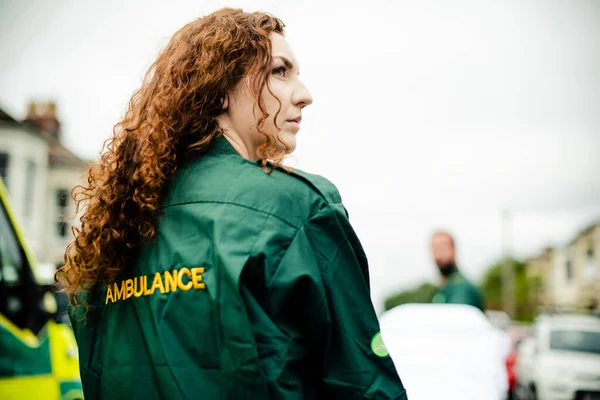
{"points": [[58, 155], [545, 255], [585, 232]]}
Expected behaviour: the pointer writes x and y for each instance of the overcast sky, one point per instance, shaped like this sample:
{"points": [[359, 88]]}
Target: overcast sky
{"points": [[426, 113]]}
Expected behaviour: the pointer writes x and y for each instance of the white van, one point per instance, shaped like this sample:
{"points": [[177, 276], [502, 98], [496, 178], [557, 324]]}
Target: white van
{"points": [[561, 360]]}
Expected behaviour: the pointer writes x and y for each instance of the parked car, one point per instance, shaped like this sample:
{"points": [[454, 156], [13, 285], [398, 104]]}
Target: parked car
{"points": [[561, 360], [517, 332]]}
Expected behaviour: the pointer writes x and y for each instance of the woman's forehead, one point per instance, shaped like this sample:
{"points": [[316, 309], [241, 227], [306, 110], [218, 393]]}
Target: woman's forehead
{"points": [[282, 49]]}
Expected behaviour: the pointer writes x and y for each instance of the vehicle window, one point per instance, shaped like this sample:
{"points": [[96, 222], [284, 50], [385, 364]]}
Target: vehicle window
{"points": [[11, 257], [571, 340], [20, 296]]}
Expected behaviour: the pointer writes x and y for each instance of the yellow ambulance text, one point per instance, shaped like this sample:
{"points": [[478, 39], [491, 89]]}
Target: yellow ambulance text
{"points": [[145, 285]]}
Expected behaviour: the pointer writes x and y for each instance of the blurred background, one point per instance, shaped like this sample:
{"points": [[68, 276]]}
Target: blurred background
{"points": [[479, 117]]}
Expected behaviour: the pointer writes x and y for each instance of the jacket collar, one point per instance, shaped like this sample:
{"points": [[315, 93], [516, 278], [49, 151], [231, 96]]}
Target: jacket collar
{"points": [[222, 146]]}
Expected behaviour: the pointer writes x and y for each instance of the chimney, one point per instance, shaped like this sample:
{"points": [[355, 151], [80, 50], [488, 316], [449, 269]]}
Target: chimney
{"points": [[43, 116], [31, 110]]}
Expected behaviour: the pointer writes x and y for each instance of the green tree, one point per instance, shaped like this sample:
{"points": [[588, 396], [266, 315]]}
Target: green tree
{"points": [[491, 286], [421, 294]]}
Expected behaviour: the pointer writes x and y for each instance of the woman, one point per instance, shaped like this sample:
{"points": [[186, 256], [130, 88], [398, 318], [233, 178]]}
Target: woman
{"points": [[201, 270]]}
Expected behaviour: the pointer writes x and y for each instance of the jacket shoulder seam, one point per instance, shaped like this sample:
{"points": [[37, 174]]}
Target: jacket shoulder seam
{"points": [[231, 204]]}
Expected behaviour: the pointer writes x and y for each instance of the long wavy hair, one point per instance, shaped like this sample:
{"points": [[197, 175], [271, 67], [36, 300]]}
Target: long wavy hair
{"points": [[172, 114]]}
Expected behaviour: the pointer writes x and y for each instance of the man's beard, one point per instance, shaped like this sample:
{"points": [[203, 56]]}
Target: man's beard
{"points": [[447, 269]]}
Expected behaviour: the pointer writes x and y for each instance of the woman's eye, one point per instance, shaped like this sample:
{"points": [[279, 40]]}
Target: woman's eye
{"points": [[279, 71]]}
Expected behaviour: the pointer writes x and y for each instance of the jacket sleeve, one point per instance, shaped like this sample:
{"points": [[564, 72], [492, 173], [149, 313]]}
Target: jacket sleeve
{"points": [[85, 328], [320, 297]]}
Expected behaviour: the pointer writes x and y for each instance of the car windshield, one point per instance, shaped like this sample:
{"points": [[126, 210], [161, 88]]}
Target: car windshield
{"points": [[571, 340]]}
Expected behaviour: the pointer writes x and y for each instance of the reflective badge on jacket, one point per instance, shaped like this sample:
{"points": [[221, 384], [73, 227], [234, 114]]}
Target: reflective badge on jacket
{"points": [[378, 346], [172, 281]]}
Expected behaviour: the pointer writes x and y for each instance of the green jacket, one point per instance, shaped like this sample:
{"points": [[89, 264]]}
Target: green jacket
{"points": [[255, 287], [458, 290]]}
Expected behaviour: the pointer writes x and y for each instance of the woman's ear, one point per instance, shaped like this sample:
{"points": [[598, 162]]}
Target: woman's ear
{"points": [[225, 103]]}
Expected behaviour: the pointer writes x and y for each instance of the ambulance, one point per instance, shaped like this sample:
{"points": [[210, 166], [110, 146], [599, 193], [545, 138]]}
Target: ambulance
{"points": [[38, 356]]}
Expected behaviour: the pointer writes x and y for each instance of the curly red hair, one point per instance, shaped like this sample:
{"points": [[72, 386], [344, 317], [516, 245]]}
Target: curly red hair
{"points": [[172, 114]]}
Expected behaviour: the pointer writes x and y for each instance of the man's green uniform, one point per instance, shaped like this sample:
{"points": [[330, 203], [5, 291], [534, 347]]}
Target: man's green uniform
{"points": [[255, 287], [458, 290]]}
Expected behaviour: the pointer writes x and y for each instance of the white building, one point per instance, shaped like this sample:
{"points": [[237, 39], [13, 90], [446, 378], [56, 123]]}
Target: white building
{"points": [[564, 284], [576, 271], [39, 173]]}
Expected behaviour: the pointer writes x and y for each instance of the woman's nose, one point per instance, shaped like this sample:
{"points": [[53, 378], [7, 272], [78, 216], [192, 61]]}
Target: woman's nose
{"points": [[302, 96]]}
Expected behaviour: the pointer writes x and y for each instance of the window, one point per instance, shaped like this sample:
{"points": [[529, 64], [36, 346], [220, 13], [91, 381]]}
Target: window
{"points": [[29, 188], [20, 297], [4, 161], [62, 198], [569, 270], [12, 265], [580, 341], [11, 257], [589, 269]]}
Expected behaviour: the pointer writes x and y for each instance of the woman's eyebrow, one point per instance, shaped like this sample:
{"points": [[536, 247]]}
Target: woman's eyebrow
{"points": [[288, 64]]}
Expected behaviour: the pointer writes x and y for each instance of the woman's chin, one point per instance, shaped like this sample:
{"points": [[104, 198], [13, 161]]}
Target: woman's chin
{"points": [[289, 139]]}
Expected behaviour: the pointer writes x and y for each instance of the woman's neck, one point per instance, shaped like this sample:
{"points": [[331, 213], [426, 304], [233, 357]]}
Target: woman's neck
{"points": [[239, 145]]}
